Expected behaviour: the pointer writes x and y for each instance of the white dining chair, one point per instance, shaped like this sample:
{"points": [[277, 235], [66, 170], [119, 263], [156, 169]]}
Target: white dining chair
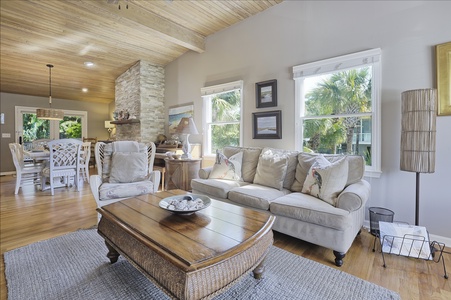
{"points": [[64, 163], [24, 172], [84, 161]]}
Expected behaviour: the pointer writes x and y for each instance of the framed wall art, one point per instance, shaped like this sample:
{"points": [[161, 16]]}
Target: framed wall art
{"points": [[176, 113], [266, 93], [267, 125], [443, 52]]}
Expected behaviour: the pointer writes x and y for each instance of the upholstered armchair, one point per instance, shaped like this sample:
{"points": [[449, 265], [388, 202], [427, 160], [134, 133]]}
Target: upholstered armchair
{"points": [[125, 169]]}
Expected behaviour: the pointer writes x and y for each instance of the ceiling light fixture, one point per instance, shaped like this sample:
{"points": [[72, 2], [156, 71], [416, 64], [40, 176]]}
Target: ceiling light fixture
{"points": [[89, 63], [84, 90], [49, 113]]}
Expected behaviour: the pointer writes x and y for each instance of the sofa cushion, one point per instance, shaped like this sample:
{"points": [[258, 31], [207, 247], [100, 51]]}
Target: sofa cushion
{"points": [[356, 168], [128, 167], [250, 160], [312, 210], [326, 180], [271, 168], [215, 187], [291, 168], [227, 168], [255, 195], [108, 191]]}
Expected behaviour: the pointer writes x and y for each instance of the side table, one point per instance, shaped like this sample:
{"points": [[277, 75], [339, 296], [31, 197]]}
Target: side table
{"points": [[179, 173]]}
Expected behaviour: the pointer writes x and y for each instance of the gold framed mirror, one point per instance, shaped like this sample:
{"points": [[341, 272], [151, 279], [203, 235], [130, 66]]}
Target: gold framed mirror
{"points": [[443, 54]]}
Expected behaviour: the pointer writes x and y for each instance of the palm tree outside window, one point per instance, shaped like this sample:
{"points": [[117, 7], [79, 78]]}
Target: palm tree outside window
{"points": [[222, 118], [338, 103]]}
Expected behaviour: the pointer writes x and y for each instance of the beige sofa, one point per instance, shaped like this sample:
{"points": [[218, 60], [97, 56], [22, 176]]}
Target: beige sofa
{"points": [[274, 180]]}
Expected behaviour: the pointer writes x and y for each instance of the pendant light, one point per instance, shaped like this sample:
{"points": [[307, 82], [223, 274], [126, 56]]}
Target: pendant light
{"points": [[49, 113]]}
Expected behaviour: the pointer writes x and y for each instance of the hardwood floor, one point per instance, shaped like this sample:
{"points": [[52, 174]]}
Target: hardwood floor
{"points": [[33, 215]]}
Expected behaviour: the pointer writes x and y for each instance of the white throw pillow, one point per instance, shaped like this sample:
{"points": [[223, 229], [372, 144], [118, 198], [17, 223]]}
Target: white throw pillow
{"points": [[128, 167], [326, 180], [227, 168], [271, 168]]}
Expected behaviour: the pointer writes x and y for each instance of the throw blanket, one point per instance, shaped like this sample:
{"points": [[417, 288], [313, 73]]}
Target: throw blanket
{"points": [[125, 146]]}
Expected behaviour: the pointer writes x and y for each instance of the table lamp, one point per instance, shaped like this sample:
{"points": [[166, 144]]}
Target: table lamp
{"points": [[418, 108], [186, 126], [109, 127]]}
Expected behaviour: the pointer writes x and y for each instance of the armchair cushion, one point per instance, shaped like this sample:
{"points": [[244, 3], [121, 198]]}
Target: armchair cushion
{"points": [[108, 191], [127, 167]]}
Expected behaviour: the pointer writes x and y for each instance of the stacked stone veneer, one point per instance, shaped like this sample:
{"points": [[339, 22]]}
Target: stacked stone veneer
{"points": [[140, 91]]}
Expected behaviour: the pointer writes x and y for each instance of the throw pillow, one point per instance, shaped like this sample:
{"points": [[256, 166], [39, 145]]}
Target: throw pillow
{"points": [[326, 180], [271, 169], [250, 160], [127, 167], [227, 168]]}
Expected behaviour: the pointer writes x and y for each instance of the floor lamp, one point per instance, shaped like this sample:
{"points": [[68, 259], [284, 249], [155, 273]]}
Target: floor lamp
{"points": [[418, 108]]}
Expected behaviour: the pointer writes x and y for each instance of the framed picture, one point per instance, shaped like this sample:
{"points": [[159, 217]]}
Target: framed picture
{"points": [[267, 125], [266, 93], [444, 79], [176, 113]]}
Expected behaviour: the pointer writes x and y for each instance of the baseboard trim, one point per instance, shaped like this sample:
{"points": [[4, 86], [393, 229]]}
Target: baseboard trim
{"points": [[432, 237]]}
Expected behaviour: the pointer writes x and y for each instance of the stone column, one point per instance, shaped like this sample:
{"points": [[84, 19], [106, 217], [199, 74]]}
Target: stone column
{"points": [[140, 92]]}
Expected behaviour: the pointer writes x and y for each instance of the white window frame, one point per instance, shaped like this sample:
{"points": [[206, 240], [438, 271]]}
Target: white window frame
{"points": [[54, 124], [207, 93], [351, 61]]}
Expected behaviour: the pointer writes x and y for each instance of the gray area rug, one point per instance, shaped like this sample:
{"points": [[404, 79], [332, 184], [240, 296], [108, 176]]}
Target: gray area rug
{"points": [[74, 266]]}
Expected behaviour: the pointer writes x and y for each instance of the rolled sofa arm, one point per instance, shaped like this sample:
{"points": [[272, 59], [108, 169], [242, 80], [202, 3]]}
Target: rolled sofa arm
{"points": [[205, 172], [354, 196]]}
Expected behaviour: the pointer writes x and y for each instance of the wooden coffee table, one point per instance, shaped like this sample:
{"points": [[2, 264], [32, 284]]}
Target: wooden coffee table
{"points": [[188, 256]]}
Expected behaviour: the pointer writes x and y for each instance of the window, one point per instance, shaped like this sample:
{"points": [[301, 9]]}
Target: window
{"points": [[222, 116], [338, 107], [29, 128]]}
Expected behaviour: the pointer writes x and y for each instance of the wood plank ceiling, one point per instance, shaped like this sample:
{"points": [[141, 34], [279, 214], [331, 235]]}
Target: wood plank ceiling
{"points": [[69, 33]]}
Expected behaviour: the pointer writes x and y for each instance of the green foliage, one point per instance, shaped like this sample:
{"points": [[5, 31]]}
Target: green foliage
{"points": [[345, 92], [34, 128], [70, 127], [226, 111]]}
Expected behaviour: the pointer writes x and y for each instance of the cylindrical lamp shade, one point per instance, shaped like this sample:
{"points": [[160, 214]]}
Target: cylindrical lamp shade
{"points": [[418, 108]]}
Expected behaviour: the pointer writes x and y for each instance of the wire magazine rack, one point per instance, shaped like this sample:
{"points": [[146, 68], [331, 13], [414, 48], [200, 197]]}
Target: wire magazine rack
{"points": [[416, 246]]}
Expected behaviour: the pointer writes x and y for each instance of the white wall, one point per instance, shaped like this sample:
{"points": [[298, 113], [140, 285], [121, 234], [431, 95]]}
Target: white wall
{"points": [[268, 45]]}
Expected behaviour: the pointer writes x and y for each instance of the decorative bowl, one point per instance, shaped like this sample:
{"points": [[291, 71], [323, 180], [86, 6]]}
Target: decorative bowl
{"points": [[175, 203]]}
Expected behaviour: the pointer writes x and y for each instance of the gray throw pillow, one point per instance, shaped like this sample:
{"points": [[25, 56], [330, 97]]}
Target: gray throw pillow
{"points": [[127, 167]]}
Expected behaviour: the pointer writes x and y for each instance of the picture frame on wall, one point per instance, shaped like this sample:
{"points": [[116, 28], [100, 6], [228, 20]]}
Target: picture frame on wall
{"points": [[267, 125], [176, 113], [443, 52], [266, 93]]}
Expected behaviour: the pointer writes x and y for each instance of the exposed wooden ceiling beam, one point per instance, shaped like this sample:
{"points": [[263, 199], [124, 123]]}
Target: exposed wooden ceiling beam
{"points": [[162, 27]]}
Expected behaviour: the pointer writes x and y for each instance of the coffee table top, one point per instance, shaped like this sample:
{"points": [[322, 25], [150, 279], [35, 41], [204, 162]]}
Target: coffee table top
{"points": [[189, 241]]}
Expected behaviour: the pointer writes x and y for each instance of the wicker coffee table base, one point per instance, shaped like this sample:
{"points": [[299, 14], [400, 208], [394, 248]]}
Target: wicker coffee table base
{"points": [[203, 283]]}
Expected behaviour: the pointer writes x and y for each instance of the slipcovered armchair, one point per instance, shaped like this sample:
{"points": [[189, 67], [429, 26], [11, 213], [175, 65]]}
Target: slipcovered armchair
{"points": [[125, 169]]}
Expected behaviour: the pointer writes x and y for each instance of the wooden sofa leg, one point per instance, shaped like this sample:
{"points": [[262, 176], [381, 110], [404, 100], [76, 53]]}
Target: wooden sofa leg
{"points": [[339, 258]]}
